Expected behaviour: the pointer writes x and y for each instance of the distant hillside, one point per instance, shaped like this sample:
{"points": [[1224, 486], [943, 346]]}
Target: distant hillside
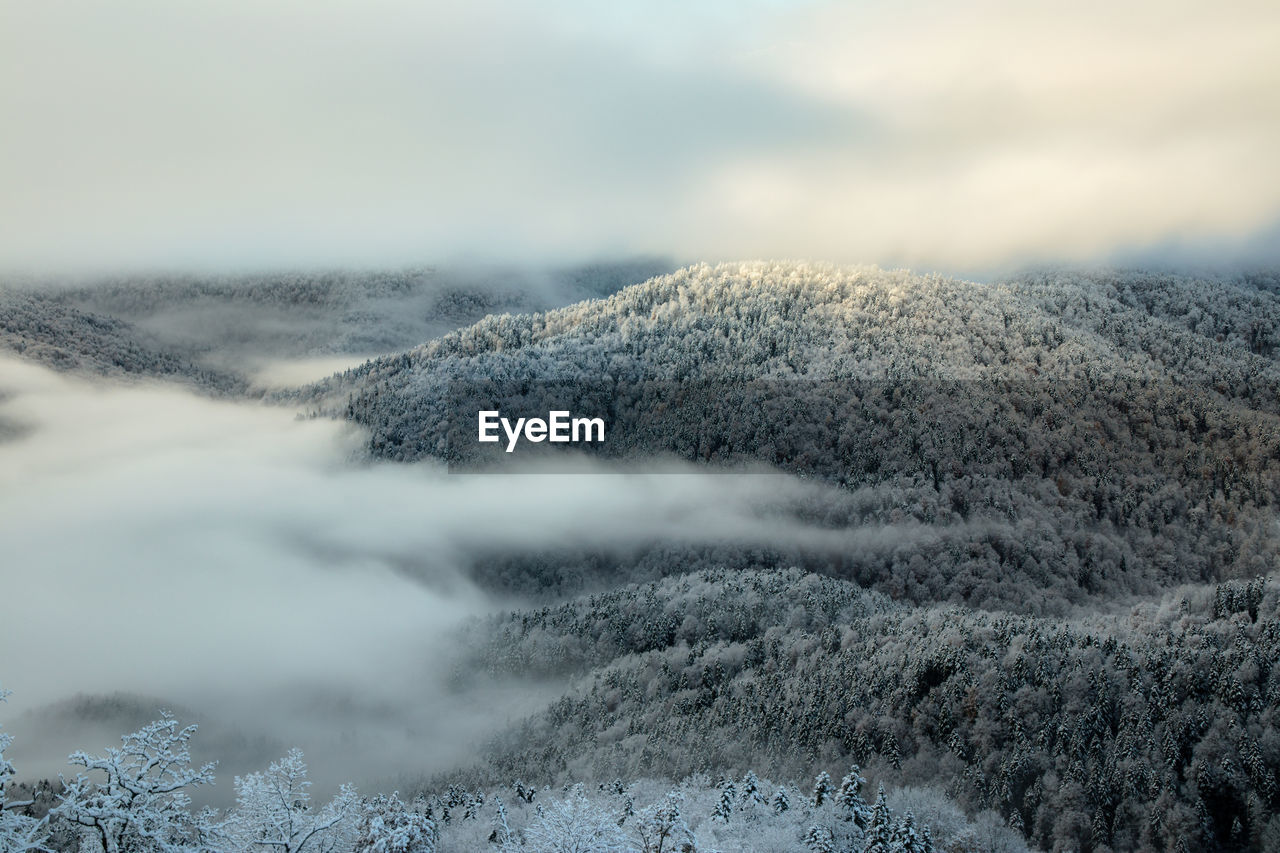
{"points": [[67, 338], [213, 330], [1073, 435]]}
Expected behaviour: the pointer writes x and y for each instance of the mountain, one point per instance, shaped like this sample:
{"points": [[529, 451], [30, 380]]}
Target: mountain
{"points": [[1071, 437], [1079, 446], [786, 321]]}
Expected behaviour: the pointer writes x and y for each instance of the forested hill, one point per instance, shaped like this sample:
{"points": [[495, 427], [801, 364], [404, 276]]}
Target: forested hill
{"points": [[762, 322], [64, 337], [824, 322], [1153, 729], [1068, 435]]}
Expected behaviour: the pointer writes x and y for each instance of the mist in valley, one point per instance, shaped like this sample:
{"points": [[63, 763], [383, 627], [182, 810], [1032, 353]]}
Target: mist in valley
{"points": [[258, 574]]}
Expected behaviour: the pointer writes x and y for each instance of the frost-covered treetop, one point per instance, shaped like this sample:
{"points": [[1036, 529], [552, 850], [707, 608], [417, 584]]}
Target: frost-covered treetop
{"points": [[772, 319]]}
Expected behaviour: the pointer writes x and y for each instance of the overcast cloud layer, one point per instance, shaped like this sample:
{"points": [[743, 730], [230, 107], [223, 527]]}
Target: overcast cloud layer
{"points": [[145, 133]]}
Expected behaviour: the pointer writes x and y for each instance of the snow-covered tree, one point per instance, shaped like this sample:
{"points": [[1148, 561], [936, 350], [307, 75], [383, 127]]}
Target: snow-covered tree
{"points": [[880, 834], [387, 826], [137, 800], [906, 839], [471, 807], [751, 790], [819, 839], [501, 834], [724, 806], [821, 789], [780, 802], [660, 828], [274, 812], [849, 798], [573, 825], [18, 833]]}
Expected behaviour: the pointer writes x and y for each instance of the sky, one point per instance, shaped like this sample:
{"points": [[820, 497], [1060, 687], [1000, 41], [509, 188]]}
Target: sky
{"points": [[146, 134]]}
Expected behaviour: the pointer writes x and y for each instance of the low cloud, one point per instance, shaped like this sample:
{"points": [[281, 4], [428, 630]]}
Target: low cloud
{"points": [[233, 559]]}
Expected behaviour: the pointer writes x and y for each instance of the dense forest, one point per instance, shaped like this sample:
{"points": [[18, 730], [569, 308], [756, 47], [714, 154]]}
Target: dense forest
{"points": [[1073, 437], [1028, 601], [1152, 727], [1070, 440]]}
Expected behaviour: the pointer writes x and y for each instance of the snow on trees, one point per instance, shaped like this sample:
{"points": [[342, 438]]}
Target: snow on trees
{"points": [[18, 832], [661, 827], [724, 807], [573, 825], [849, 797], [880, 834], [819, 839], [134, 797], [387, 826], [274, 812], [821, 789], [137, 802], [751, 794], [906, 838]]}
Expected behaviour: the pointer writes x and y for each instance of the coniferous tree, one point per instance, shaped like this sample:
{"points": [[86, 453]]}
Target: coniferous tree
{"points": [[501, 834], [905, 836], [849, 797], [819, 839], [880, 834], [780, 802], [821, 789], [724, 806], [751, 789]]}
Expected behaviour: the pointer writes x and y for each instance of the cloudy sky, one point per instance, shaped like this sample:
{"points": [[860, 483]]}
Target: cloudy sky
{"points": [[255, 133]]}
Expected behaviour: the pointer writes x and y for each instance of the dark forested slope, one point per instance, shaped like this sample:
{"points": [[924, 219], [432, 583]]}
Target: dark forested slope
{"points": [[1153, 729]]}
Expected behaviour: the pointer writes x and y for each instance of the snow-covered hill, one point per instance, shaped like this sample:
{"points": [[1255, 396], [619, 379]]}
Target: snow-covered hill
{"points": [[1066, 435]]}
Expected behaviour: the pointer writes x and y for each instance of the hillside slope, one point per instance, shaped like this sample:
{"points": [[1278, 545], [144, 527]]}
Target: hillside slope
{"points": [[70, 339], [783, 321], [1075, 435], [1153, 729]]}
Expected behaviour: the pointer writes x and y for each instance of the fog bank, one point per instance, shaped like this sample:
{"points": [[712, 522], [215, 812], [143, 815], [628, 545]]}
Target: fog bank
{"points": [[235, 561]]}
